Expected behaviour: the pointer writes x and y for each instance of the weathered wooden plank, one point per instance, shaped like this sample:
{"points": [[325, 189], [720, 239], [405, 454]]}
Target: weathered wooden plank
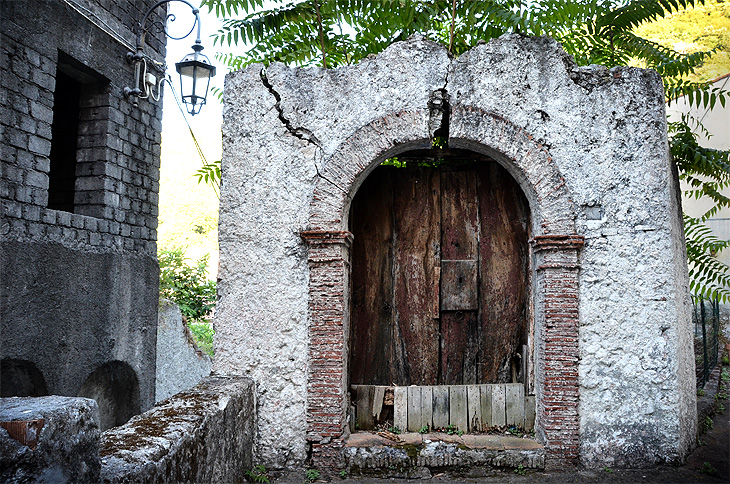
{"points": [[459, 288], [459, 285], [503, 277], [414, 408], [427, 407], [364, 401], [400, 407], [514, 404], [459, 217], [375, 351], [498, 403], [458, 352], [378, 397], [529, 413], [524, 372], [440, 407], [416, 231], [458, 407], [485, 395], [473, 405]]}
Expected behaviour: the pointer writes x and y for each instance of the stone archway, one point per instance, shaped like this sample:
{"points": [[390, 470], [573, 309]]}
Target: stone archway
{"points": [[554, 280]]}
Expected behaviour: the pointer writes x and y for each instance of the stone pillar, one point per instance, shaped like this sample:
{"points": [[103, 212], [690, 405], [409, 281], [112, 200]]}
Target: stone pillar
{"points": [[329, 266], [556, 295]]}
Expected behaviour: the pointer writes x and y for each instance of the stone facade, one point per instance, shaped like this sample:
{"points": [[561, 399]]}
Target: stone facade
{"points": [[79, 279], [611, 350]]}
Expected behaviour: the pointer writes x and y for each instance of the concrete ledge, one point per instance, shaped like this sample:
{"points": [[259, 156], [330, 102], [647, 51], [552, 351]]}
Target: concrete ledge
{"points": [[204, 434], [419, 456], [49, 439]]}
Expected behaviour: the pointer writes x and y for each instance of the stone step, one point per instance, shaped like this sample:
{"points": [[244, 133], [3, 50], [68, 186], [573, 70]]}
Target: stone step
{"points": [[424, 455]]}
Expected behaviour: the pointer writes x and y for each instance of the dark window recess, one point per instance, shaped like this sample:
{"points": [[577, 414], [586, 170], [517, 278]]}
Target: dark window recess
{"points": [[64, 144], [78, 138]]}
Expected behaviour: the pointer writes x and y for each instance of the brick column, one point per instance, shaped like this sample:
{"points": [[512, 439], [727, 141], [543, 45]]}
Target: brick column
{"points": [[556, 262], [329, 267]]}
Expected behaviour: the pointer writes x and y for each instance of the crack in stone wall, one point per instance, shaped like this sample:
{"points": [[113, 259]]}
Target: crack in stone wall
{"points": [[300, 131]]}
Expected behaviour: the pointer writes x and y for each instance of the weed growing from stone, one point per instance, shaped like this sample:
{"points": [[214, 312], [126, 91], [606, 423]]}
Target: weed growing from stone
{"points": [[608, 470], [708, 469], [423, 430], [707, 424], [311, 475], [520, 470], [257, 474], [343, 474]]}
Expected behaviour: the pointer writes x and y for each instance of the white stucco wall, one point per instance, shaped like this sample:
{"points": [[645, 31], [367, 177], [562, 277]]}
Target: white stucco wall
{"points": [[606, 131]]}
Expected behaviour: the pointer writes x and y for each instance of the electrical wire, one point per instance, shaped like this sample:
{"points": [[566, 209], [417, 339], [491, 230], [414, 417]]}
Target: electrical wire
{"points": [[195, 140], [99, 22]]}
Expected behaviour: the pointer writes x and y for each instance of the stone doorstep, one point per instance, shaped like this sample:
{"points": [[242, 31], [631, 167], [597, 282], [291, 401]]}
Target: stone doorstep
{"points": [[420, 454]]}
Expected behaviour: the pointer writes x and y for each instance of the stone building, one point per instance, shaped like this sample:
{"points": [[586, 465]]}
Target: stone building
{"points": [[524, 199], [79, 185]]}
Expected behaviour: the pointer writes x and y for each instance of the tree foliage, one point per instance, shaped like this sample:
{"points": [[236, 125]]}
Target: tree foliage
{"points": [[330, 33], [186, 285]]}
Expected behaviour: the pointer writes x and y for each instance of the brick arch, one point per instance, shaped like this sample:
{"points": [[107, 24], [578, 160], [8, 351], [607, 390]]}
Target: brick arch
{"points": [[555, 270], [471, 128]]}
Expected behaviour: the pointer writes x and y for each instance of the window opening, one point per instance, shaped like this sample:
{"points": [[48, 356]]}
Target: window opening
{"points": [[64, 143]]}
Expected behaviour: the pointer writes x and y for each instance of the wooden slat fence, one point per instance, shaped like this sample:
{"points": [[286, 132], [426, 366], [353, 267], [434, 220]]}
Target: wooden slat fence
{"points": [[469, 408]]}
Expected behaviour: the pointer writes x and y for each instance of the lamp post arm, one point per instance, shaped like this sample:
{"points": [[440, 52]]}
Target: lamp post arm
{"points": [[143, 25]]}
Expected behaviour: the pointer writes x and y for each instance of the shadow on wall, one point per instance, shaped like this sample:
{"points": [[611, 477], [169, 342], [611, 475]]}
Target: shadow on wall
{"points": [[115, 388], [21, 378]]}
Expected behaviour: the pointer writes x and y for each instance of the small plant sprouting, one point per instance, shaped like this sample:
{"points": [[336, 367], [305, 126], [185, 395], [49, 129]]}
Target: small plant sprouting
{"points": [[514, 430], [311, 475], [707, 424], [394, 429], [520, 470], [725, 375], [423, 430], [708, 469], [608, 470], [459, 433], [725, 360], [257, 474], [700, 392], [343, 474]]}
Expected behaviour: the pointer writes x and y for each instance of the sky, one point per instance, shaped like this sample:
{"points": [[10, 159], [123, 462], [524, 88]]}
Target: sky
{"points": [[210, 116]]}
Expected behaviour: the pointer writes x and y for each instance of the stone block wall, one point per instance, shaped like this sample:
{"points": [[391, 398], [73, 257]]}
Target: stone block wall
{"points": [[612, 351], [79, 282], [49, 439]]}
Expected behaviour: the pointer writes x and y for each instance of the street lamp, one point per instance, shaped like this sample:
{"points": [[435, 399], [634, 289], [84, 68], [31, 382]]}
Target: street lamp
{"points": [[195, 68]]}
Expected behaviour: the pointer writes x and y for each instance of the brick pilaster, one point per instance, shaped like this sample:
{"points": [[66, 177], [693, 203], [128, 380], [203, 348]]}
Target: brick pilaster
{"points": [[557, 265], [328, 292]]}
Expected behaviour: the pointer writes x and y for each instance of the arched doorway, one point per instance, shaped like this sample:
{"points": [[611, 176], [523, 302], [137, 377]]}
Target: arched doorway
{"points": [[115, 387], [440, 275], [554, 285], [21, 378]]}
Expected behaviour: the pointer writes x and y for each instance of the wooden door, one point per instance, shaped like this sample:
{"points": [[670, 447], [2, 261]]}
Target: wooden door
{"points": [[439, 275]]}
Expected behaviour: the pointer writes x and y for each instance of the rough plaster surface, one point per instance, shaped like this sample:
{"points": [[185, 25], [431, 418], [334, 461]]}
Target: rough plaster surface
{"points": [[204, 434], [67, 448], [605, 130], [180, 364]]}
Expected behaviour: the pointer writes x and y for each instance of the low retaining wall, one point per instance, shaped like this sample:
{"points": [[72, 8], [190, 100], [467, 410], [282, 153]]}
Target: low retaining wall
{"points": [[204, 434], [180, 363]]}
